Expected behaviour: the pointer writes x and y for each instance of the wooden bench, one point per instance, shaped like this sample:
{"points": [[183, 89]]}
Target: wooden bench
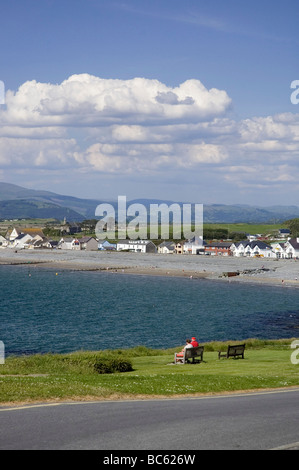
{"points": [[233, 351], [196, 354]]}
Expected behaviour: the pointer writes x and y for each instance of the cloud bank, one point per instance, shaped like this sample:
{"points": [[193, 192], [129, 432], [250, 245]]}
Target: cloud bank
{"points": [[142, 126]]}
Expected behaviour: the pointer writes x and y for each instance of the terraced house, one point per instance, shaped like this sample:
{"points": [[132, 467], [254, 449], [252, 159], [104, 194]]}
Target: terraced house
{"points": [[254, 248], [288, 249]]}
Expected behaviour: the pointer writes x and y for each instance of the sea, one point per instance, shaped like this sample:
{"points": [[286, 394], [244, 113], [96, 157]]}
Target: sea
{"points": [[43, 310]]}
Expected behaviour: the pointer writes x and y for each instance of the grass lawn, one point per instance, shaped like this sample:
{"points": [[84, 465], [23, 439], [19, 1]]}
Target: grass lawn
{"points": [[73, 376], [247, 228]]}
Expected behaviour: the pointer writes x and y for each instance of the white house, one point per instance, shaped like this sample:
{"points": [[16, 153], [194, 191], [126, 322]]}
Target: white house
{"points": [[3, 241], [260, 248], [166, 247], [138, 246], [37, 242], [279, 249], [21, 241], [14, 233], [194, 246], [291, 248], [238, 249], [69, 243], [17, 231], [253, 248], [287, 249]]}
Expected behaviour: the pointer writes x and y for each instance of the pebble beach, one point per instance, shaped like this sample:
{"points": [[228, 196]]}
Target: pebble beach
{"points": [[229, 269]]}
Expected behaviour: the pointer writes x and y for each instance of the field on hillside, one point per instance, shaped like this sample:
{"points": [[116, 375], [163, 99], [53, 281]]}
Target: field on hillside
{"points": [[253, 229]]}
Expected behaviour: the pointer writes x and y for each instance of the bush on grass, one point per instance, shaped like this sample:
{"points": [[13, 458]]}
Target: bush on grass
{"points": [[109, 365]]}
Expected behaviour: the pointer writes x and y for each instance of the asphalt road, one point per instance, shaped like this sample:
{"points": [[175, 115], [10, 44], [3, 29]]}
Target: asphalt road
{"points": [[253, 421]]}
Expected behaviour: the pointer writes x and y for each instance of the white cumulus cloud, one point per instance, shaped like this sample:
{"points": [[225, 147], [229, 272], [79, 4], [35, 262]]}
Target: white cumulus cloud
{"points": [[143, 126], [88, 100]]}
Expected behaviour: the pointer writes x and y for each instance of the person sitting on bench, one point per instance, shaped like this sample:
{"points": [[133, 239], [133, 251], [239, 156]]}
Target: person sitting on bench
{"points": [[188, 345]]}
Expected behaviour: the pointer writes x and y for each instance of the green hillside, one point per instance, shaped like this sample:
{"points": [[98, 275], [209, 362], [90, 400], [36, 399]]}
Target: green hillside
{"points": [[23, 209], [19, 202]]}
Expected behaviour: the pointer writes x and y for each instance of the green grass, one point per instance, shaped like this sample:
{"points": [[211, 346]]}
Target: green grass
{"points": [[51, 377], [251, 228], [247, 228]]}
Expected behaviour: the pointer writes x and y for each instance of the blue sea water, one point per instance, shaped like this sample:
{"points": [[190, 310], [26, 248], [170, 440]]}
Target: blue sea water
{"points": [[47, 311]]}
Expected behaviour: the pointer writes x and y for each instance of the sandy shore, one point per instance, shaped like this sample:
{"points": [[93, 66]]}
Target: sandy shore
{"points": [[229, 269]]}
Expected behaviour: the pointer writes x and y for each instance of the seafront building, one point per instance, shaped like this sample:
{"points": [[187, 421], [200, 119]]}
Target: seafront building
{"points": [[195, 246], [287, 248], [137, 246], [166, 247], [219, 248], [253, 248]]}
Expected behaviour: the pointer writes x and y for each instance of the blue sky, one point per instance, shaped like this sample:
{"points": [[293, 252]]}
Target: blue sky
{"points": [[187, 101]]}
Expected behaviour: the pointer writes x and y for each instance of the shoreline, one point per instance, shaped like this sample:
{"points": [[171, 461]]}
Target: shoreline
{"points": [[283, 272]]}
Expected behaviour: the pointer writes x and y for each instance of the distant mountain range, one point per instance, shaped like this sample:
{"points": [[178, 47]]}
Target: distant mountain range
{"points": [[17, 202]]}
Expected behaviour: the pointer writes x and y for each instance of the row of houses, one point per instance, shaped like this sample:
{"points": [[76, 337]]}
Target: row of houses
{"points": [[197, 246], [34, 238], [220, 248], [287, 249], [249, 248], [22, 238]]}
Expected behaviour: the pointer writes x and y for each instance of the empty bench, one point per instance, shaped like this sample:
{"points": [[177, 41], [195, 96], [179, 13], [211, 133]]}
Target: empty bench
{"points": [[196, 354], [233, 351]]}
